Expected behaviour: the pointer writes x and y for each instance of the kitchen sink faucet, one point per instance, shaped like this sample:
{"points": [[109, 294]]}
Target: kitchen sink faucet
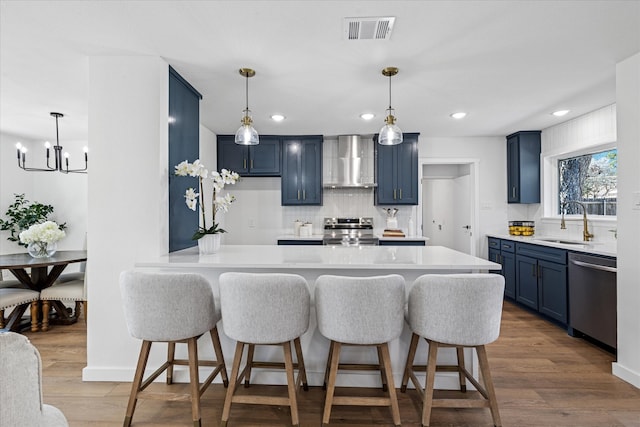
{"points": [[586, 236]]}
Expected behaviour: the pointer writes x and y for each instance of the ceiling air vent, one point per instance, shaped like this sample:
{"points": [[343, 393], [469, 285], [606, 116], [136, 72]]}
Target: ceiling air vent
{"points": [[372, 28]]}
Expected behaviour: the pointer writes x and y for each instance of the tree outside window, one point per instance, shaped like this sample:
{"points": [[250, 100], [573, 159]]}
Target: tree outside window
{"points": [[591, 179]]}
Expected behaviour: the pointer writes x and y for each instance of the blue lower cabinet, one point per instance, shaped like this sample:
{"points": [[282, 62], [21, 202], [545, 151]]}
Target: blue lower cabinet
{"points": [[401, 243], [503, 252]]}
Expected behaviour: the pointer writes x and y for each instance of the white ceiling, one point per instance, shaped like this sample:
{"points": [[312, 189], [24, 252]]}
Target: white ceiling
{"points": [[508, 64]]}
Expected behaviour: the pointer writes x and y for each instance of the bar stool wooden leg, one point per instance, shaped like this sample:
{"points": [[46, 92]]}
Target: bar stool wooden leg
{"points": [[302, 371], [217, 348], [382, 370], [488, 384], [194, 378], [408, 367], [247, 377], [386, 360], [291, 386], [431, 376], [235, 369], [331, 385], [137, 381], [171, 351], [328, 367], [461, 368]]}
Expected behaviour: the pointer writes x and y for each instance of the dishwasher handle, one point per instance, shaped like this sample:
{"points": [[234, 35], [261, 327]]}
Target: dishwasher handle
{"points": [[595, 266]]}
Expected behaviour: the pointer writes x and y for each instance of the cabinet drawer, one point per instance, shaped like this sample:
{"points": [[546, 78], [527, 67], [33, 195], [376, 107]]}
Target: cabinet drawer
{"points": [[542, 252], [507, 246], [494, 243]]}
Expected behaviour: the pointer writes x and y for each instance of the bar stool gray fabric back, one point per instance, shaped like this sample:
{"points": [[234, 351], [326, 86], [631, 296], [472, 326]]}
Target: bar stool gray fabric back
{"points": [[360, 311], [265, 309], [455, 310], [171, 307]]}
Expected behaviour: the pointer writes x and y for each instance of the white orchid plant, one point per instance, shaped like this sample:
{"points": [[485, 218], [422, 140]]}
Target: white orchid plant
{"points": [[218, 201], [46, 232]]}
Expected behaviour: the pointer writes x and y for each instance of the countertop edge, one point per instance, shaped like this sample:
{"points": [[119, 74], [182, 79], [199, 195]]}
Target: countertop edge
{"points": [[597, 248]]}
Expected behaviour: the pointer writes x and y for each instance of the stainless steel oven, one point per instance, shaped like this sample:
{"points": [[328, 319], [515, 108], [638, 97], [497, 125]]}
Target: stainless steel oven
{"points": [[349, 232]]}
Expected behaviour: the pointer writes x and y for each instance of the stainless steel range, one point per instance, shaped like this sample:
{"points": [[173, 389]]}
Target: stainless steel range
{"points": [[349, 232]]}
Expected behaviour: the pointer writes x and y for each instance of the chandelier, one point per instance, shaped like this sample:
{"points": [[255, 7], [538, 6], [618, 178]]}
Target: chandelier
{"points": [[59, 165]]}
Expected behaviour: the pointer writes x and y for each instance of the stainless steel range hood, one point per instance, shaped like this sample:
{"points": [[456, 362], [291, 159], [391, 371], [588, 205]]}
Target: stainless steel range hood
{"points": [[349, 166]]}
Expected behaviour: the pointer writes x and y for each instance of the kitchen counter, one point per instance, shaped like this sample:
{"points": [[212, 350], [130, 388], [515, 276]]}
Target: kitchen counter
{"points": [[597, 248], [311, 262]]}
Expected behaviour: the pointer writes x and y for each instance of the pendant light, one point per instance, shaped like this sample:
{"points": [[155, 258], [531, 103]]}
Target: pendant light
{"points": [[246, 134], [390, 134], [60, 164]]}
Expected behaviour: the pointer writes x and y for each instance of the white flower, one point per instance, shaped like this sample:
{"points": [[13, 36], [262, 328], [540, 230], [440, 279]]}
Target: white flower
{"points": [[47, 232], [219, 180]]}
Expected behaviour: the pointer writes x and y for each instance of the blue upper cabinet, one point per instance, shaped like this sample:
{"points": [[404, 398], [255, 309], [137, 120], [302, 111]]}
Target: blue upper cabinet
{"points": [[254, 160], [302, 170], [184, 130], [397, 172], [523, 167]]}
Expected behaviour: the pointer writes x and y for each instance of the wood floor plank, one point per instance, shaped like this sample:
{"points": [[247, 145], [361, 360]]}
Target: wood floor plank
{"points": [[543, 377]]}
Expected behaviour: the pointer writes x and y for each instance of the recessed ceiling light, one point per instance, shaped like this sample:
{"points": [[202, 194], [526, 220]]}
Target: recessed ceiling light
{"points": [[277, 117], [560, 113], [367, 116], [459, 115]]}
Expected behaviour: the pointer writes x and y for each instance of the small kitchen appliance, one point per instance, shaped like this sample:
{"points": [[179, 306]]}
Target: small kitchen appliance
{"points": [[349, 232]]}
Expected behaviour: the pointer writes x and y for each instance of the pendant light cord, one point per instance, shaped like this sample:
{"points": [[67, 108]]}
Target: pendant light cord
{"points": [[389, 92]]}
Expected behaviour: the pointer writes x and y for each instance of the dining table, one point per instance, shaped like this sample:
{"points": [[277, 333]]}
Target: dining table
{"points": [[42, 273]]}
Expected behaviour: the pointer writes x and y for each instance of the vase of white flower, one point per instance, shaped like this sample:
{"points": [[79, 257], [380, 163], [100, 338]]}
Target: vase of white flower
{"points": [[41, 239], [208, 237]]}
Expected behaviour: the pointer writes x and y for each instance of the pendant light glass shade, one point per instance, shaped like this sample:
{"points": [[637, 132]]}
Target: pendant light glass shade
{"points": [[390, 134], [246, 134]]}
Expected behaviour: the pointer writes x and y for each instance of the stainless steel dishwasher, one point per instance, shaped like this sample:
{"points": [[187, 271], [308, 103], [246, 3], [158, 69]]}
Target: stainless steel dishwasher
{"points": [[592, 297]]}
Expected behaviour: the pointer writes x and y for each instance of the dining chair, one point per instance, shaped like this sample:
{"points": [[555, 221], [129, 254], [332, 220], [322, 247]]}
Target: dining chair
{"points": [[360, 311], [21, 402], [69, 290], [172, 308], [459, 311], [18, 299]]}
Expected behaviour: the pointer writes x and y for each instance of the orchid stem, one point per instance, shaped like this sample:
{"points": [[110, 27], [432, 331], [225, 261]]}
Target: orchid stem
{"points": [[204, 219]]}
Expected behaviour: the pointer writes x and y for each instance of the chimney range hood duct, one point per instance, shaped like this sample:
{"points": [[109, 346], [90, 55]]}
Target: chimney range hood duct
{"points": [[349, 167]]}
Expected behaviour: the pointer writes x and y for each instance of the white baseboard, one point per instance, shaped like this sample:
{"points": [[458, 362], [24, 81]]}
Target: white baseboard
{"points": [[626, 374]]}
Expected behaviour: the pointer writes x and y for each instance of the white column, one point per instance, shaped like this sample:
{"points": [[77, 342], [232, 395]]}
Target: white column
{"points": [[127, 202], [628, 106]]}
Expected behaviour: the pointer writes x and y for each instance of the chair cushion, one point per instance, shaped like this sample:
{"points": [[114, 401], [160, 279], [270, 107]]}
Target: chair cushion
{"points": [[10, 297], [65, 291], [264, 308], [360, 310]]}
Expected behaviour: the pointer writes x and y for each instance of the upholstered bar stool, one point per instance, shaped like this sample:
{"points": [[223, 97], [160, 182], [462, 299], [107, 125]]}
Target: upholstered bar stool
{"points": [[264, 309], [172, 308], [455, 310], [361, 311]]}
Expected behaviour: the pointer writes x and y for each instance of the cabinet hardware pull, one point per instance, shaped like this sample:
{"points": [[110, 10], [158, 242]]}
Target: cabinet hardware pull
{"points": [[394, 194], [595, 266], [244, 163], [513, 192], [298, 194], [304, 194], [251, 163], [400, 193]]}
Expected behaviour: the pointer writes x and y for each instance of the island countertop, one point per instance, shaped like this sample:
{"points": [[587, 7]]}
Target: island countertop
{"points": [[268, 257]]}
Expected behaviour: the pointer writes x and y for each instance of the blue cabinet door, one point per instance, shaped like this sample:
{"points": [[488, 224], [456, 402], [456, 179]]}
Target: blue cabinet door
{"points": [[232, 156], [397, 172], [523, 167], [301, 170], [527, 281], [552, 290], [509, 273], [250, 160]]}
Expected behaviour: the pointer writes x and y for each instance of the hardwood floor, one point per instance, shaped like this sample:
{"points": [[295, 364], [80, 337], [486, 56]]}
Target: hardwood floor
{"points": [[543, 377]]}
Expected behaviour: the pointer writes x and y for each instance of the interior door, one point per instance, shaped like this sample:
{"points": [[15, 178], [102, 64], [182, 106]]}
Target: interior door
{"points": [[461, 227], [437, 212]]}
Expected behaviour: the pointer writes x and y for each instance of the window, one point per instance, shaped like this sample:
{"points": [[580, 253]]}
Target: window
{"points": [[590, 179]]}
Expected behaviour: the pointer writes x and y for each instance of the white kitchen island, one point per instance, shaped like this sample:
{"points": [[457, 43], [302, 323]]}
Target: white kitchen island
{"points": [[311, 262]]}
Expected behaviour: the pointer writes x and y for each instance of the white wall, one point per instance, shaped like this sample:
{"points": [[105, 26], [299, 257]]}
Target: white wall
{"points": [[128, 195], [628, 102]]}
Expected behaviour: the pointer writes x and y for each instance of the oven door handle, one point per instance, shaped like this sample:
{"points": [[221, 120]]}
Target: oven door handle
{"points": [[595, 266]]}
